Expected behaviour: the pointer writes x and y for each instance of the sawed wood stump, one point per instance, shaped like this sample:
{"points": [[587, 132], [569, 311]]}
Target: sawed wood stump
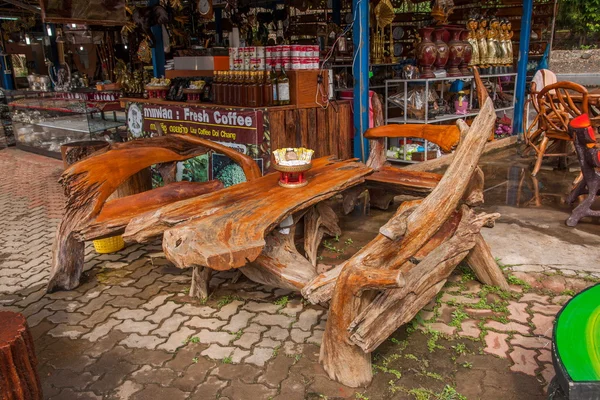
{"points": [[18, 365]]}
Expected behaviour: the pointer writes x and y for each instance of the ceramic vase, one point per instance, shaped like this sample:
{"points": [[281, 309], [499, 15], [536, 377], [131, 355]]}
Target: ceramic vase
{"points": [[468, 54], [457, 51], [426, 53], [443, 51]]}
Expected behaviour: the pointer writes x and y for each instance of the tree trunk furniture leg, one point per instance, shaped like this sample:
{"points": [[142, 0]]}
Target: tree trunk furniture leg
{"points": [[584, 209], [18, 364], [484, 265], [200, 281], [540, 156], [68, 256], [380, 199], [319, 221]]}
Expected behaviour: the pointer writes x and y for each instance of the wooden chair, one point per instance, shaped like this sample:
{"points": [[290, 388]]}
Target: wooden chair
{"points": [[532, 129], [89, 213], [387, 282], [588, 154], [557, 108]]}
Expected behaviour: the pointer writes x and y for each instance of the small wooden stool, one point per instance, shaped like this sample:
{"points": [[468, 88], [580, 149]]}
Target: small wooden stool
{"points": [[18, 365], [576, 348]]}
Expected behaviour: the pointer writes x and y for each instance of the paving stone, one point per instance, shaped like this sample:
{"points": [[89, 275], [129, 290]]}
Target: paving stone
{"points": [[245, 373], [98, 316], [316, 337], [328, 388], [141, 327], [228, 310], [101, 330], [479, 313], [469, 328], [293, 307], [247, 340], [260, 356], [126, 390], [277, 333], [70, 331], [63, 378], [292, 388], [270, 343], [194, 311], [496, 344], [127, 302], [240, 390], [217, 352], [209, 389], [69, 318], [269, 320], [155, 392], [545, 355], [177, 339], [299, 336], [256, 307], [534, 297], [518, 312], [447, 297], [95, 304], [277, 370], [440, 327], [156, 302], [547, 309], [255, 328], [38, 317], [509, 327], [170, 325], [163, 312], [548, 372], [208, 323], [136, 315], [239, 321], [149, 374], [222, 338], [555, 283], [543, 324], [529, 342], [308, 318], [524, 360], [138, 341], [238, 355]]}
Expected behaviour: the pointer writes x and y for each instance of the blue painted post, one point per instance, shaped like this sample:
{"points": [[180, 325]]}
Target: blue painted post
{"points": [[360, 70], [158, 52], [8, 82], [522, 67]]}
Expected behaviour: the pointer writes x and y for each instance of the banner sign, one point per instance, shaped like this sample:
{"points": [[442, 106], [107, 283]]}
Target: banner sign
{"points": [[239, 129]]}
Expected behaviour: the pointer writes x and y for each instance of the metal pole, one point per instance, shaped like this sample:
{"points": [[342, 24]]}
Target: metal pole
{"points": [[554, 11], [522, 66], [360, 72], [158, 52]]}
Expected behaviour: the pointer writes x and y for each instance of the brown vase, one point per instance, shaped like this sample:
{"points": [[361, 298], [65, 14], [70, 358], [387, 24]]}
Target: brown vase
{"points": [[443, 51], [426, 53], [457, 51], [464, 65]]}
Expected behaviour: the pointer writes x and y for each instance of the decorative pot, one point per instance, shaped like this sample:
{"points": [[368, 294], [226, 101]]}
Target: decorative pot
{"points": [[468, 54], [426, 53], [457, 51], [443, 51]]}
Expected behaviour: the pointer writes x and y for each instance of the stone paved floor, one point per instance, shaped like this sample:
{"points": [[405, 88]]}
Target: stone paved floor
{"points": [[130, 331]]}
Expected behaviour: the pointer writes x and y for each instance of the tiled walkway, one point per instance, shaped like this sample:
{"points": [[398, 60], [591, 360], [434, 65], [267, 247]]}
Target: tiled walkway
{"points": [[130, 331]]}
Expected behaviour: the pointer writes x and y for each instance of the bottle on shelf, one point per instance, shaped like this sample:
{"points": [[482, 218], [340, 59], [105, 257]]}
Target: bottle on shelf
{"points": [[273, 78], [267, 90], [283, 88], [238, 86], [217, 88], [227, 89], [260, 88]]}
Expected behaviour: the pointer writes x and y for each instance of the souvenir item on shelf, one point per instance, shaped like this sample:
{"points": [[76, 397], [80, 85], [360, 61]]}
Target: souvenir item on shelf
{"points": [[292, 163], [468, 54], [441, 10], [457, 51], [415, 103], [157, 88], [511, 55], [461, 103], [443, 51], [482, 42], [409, 71], [492, 53], [60, 77], [383, 14], [426, 53], [472, 39], [144, 52]]}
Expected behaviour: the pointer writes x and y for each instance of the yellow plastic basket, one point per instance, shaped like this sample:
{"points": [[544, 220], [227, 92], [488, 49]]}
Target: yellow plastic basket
{"points": [[109, 245]]}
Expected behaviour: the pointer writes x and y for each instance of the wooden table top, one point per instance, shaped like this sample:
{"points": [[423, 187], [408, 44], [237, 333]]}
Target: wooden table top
{"points": [[227, 228]]}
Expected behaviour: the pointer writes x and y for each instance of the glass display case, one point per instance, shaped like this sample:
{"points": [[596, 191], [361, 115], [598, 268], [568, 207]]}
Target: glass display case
{"points": [[44, 121]]}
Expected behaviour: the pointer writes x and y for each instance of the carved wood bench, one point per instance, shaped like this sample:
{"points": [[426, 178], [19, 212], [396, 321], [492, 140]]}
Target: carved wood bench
{"points": [[88, 184]]}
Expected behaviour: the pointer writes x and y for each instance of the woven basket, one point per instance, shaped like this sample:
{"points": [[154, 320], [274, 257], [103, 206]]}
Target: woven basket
{"points": [[109, 245]]}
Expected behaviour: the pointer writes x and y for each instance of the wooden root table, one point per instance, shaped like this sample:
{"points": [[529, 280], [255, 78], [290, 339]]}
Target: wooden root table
{"points": [[18, 365]]}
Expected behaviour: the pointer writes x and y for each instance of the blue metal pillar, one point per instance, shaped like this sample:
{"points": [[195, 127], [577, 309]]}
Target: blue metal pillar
{"points": [[522, 67], [158, 52], [6, 70], [360, 71]]}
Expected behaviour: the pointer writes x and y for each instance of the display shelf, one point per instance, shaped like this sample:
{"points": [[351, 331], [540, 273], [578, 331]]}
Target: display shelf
{"points": [[404, 86], [82, 125]]}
